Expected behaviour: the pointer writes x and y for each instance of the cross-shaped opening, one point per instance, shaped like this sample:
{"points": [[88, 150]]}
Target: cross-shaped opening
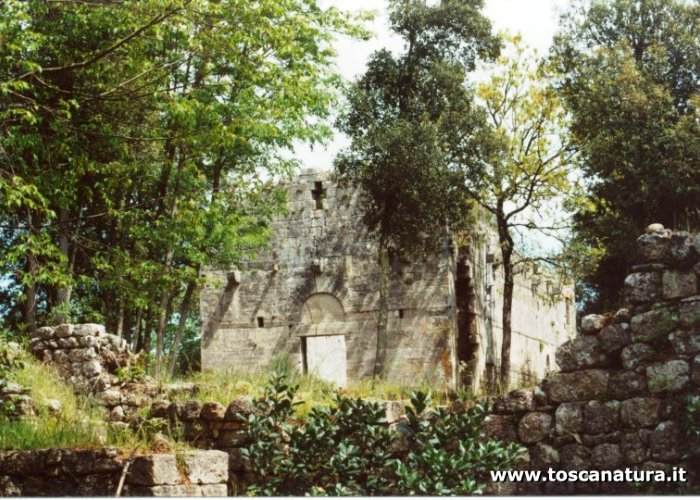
{"points": [[319, 193]]}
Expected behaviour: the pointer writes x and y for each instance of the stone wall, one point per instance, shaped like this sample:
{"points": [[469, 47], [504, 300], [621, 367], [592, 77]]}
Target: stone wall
{"points": [[313, 296], [620, 397], [65, 472]]}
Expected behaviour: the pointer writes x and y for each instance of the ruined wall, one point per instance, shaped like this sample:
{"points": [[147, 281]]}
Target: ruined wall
{"points": [[65, 472], [620, 397], [320, 278], [322, 251]]}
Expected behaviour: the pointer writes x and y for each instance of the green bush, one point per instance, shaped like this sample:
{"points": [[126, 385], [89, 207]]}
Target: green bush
{"points": [[348, 448]]}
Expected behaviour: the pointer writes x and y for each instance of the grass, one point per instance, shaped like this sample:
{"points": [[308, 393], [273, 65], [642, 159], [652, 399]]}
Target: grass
{"points": [[81, 423], [225, 386]]}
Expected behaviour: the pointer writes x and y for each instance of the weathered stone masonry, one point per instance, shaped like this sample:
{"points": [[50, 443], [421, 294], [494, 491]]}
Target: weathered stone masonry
{"points": [[620, 397], [313, 296]]}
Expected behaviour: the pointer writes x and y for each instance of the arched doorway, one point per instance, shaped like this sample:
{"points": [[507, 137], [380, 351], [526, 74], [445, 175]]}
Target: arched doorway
{"points": [[324, 355]]}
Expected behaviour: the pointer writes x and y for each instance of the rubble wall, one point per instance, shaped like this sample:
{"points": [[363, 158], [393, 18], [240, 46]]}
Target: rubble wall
{"points": [[620, 398]]}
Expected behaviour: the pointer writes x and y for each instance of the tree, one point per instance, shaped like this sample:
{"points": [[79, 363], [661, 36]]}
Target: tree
{"points": [[523, 165], [627, 74], [406, 115], [146, 130]]}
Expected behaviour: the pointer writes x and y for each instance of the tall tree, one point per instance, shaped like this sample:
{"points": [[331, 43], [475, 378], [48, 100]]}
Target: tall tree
{"points": [[135, 140], [406, 116], [628, 75], [523, 167]]}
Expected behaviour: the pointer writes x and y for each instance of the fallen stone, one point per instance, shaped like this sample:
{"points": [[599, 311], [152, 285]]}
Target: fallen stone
{"points": [[581, 352], [54, 406], [653, 324], [669, 376], [635, 354], [577, 386], [640, 412], [117, 414]]}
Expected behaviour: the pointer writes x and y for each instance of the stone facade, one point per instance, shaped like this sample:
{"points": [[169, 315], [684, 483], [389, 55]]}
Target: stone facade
{"points": [[620, 399], [313, 296]]}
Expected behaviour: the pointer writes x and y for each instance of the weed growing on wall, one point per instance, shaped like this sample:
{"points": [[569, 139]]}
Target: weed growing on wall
{"points": [[349, 449]]}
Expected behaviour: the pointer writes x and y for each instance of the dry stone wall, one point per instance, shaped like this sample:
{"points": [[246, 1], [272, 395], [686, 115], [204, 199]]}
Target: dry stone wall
{"points": [[619, 399], [65, 472]]}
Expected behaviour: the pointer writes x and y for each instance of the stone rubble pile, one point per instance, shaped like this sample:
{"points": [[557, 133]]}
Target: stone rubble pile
{"points": [[621, 395]]}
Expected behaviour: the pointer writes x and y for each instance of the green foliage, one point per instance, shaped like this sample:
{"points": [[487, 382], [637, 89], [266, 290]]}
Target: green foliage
{"points": [[628, 79], [348, 448]]}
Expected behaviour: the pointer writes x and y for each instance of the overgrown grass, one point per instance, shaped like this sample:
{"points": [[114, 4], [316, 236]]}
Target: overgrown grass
{"points": [[80, 423], [225, 386]]}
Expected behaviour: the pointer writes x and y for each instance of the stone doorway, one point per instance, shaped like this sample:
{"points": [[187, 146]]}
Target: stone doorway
{"points": [[324, 354]]}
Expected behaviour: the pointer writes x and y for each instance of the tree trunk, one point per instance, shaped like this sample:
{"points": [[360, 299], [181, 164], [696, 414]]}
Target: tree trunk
{"points": [[184, 313], [383, 312], [63, 294], [30, 268], [506, 244]]}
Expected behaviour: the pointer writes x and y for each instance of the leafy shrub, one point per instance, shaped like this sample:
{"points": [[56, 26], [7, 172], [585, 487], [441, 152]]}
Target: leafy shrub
{"points": [[348, 448]]}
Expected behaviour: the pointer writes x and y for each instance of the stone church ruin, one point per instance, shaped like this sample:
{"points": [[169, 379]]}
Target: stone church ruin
{"points": [[313, 296]]}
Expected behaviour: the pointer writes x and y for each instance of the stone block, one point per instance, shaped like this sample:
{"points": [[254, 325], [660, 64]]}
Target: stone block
{"points": [[640, 412], [190, 410], [502, 427], [92, 368], [154, 470], [180, 490], [62, 331], [653, 324], [581, 352], [534, 427], [592, 323], [614, 337], [666, 442], [677, 284], [689, 310], [543, 456], [633, 446], [519, 400], [207, 466], [239, 410], [654, 247], [568, 418], [213, 411], [642, 287], [624, 384], [577, 386], [606, 456], [599, 417], [111, 397], [45, 332], [91, 329], [685, 342], [634, 355], [596, 439], [575, 457], [696, 370], [669, 376]]}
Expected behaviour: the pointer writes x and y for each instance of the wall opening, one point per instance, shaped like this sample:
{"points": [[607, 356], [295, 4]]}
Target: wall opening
{"points": [[261, 322], [400, 313], [318, 193], [467, 340]]}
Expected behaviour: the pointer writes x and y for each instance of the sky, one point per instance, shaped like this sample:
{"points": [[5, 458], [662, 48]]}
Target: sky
{"points": [[535, 20]]}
